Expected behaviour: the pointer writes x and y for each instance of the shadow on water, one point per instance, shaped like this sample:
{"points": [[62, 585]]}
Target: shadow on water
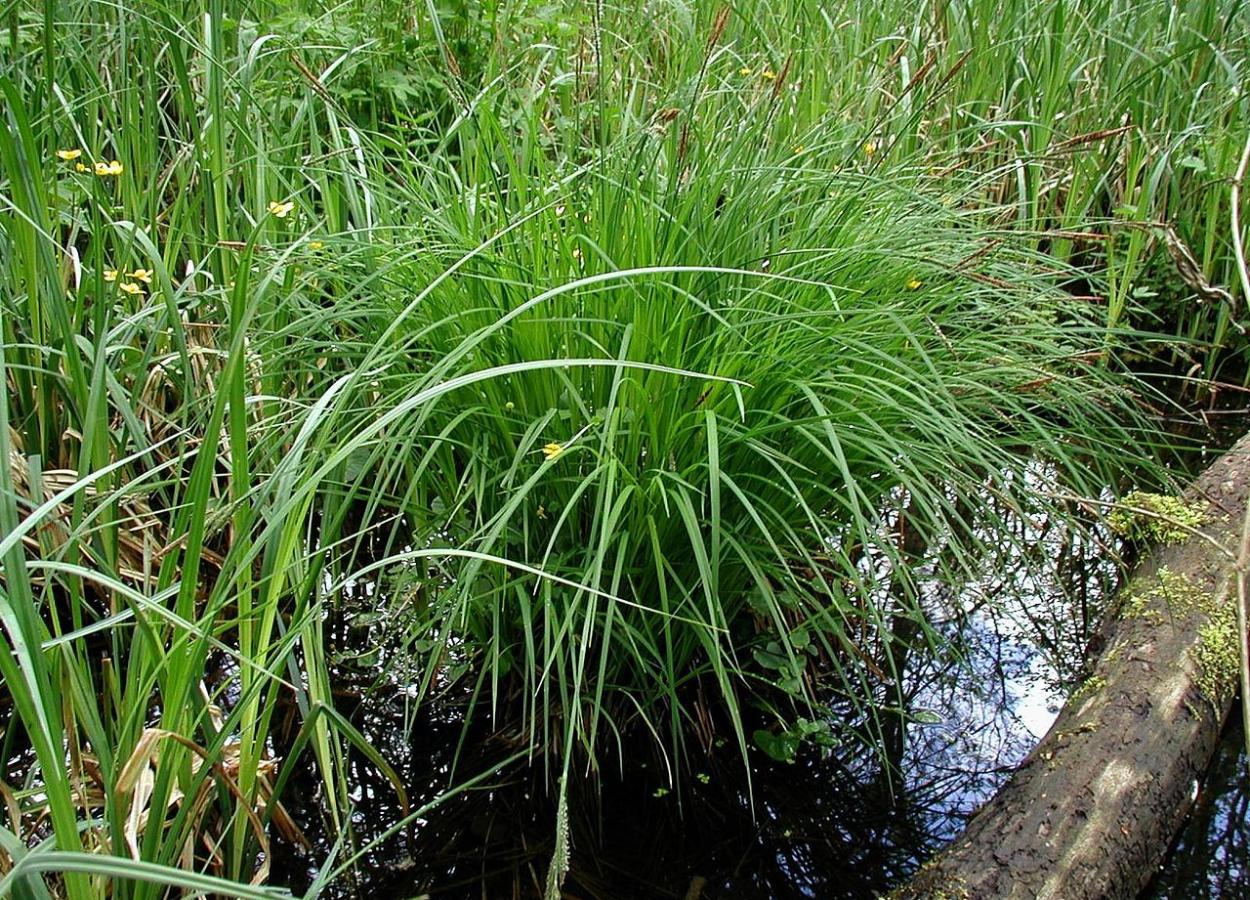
{"points": [[818, 828]]}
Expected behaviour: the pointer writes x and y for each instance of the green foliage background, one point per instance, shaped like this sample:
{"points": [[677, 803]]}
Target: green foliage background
{"points": [[794, 297]]}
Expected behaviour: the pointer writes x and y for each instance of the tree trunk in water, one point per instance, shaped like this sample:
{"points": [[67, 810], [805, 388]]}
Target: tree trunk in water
{"points": [[1093, 809]]}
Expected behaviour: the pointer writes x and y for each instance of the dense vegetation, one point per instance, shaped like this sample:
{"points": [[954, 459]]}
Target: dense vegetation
{"points": [[640, 360]]}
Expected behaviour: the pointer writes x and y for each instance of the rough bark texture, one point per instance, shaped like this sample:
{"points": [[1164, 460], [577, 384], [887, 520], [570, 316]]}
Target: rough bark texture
{"points": [[1092, 810]]}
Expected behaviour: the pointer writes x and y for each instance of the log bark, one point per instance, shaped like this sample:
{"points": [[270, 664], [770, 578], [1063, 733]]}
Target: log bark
{"points": [[1092, 810]]}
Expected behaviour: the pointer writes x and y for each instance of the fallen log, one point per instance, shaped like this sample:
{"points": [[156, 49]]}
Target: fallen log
{"points": [[1091, 812]]}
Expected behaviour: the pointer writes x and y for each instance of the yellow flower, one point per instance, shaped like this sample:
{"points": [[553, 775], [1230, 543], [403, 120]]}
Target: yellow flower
{"points": [[130, 287], [144, 275], [69, 155], [79, 167], [870, 148], [745, 70], [798, 148], [110, 274], [768, 74], [914, 284], [108, 168], [315, 245], [552, 450], [281, 208]]}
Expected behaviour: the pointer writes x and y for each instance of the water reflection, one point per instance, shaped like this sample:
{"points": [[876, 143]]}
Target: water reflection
{"points": [[1211, 857], [841, 824], [818, 828]]}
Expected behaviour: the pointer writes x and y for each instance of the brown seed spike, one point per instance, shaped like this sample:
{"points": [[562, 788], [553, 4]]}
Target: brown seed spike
{"points": [[1092, 137], [781, 78], [718, 27], [314, 82], [954, 70], [921, 73], [453, 64]]}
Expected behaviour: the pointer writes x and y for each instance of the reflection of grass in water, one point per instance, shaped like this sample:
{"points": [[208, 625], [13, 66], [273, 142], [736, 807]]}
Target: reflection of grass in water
{"points": [[649, 844], [1017, 636], [1211, 857], [817, 825]]}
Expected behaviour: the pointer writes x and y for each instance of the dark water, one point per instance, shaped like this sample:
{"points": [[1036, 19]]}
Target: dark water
{"points": [[1211, 856], [841, 825], [633, 836]]}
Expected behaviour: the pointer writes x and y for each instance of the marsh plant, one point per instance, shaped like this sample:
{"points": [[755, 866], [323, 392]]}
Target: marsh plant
{"points": [[636, 368]]}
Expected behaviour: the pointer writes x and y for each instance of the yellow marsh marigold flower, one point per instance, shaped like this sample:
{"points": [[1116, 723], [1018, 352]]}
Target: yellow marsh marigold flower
{"points": [[315, 245], [108, 168], [130, 287], [144, 275], [68, 155], [914, 284], [79, 167], [768, 74], [110, 274], [745, 70], [870, 148], [552, 450], [281, 208]]}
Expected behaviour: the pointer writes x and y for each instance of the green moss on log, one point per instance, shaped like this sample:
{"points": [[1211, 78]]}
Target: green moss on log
{"points": [[1087, 689], [1172, 589], [1160, 518], [1217, 656], [931, 883]]}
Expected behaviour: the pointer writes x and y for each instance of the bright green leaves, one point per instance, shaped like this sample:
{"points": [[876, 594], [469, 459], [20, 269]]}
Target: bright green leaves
{"points": [[785, 746]]}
